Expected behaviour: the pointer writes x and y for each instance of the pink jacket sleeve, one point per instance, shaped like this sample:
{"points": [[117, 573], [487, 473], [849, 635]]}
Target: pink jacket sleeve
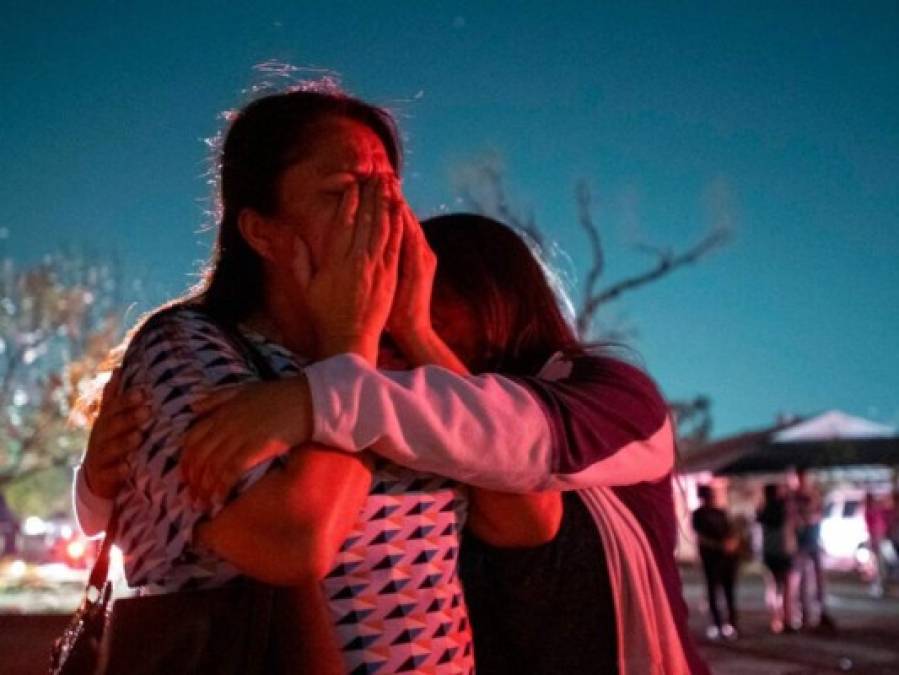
{"points": [[580, 424]]}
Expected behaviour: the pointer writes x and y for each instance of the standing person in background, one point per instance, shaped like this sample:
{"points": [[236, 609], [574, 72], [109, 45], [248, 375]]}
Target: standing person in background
{"points": [[9, 529], [877, 523], [718, 552], [778, 552], [809, 511], [893, 523]]}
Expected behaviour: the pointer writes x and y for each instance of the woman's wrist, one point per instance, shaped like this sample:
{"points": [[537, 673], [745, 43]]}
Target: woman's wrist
{"points": [[417, 343], [425, 347], [365, 346]]}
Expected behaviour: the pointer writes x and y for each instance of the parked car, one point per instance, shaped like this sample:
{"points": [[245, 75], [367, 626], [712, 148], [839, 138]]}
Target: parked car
{"points": [[844, 534], [55, 540]]}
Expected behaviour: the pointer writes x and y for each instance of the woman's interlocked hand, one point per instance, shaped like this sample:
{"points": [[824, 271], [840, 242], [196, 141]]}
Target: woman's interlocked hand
{"points": [[350, 294], [115, 435]]}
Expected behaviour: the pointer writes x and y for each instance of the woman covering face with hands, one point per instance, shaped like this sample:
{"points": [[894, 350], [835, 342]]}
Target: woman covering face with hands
{"points": [[304, 267]]}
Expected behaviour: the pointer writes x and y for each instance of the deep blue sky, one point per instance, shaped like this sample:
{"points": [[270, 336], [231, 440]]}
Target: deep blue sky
{"points": [[787, 113]]}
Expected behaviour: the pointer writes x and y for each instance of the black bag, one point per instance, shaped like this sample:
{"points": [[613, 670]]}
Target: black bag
{"points": [[224, 630], [77, 652]]}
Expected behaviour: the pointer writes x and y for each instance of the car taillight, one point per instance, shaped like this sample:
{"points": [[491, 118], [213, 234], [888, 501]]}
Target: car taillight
{"points": [[76, 549]]}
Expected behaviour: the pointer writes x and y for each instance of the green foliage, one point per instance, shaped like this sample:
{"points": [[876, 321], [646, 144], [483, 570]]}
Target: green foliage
{"points": [[58, 321], [42, 493]]}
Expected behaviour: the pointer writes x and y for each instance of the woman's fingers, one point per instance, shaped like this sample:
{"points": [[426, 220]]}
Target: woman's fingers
{"points": [[396, 235], [417, 238], [203, 482], [117, 430], [198, 470], [197, 444], [214, 399], [340, 242], [365, 217], [381, 226], [204, 431], [225, 474], [122, 421]]}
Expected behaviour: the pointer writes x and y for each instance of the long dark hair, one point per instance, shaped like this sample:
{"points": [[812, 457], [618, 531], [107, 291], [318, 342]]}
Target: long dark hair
{"points": [[492, 269], [264, 139]]}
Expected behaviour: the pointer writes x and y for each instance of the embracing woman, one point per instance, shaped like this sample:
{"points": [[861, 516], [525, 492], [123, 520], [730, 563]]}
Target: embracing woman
{"points": [[305, 266]]}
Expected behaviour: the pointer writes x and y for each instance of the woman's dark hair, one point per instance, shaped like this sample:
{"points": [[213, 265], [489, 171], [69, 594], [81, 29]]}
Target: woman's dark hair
{"points": [[264, 139], [487, 265]]}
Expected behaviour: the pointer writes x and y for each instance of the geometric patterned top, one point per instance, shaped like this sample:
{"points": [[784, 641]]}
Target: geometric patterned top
{"points": [[394, 591]]}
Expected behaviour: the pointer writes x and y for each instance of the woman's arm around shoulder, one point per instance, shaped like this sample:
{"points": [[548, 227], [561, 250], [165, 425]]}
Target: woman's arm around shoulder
{"points": [[603, 422]]}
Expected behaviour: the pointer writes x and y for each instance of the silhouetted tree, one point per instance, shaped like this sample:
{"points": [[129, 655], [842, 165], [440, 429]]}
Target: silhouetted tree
{"points": [[58, 319], [482, 187]]}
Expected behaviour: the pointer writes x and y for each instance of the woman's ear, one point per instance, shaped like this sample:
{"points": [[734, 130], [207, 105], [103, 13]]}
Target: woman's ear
{"points": [[262, 234]]}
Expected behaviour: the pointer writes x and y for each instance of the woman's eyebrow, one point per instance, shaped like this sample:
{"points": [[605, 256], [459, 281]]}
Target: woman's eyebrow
{"points": [[351, 173], [335, 173]]}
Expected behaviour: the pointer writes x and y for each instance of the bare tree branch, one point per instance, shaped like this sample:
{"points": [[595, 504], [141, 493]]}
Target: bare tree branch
{"points": [[482, 187], [668, 262], [585, 315]]}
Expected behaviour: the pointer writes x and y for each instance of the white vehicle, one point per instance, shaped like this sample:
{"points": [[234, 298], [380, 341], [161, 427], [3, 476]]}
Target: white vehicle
{"points": [[844, 533]]}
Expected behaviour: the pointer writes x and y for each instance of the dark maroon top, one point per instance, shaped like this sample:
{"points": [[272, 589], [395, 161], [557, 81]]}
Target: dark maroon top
{"points": [[597, 411]]}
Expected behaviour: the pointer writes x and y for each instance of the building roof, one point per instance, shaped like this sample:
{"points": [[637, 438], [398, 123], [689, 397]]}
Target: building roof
{"points": [[833, 438]]}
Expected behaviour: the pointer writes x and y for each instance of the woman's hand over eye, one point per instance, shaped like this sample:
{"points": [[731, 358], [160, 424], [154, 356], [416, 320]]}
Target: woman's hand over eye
{"points": [[410, 316], [350, 294]]}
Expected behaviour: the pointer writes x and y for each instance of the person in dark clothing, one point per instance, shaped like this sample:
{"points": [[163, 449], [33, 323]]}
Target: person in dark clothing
{"points": [[9, 529], [778, 552], [511, 592], [718, 546]]}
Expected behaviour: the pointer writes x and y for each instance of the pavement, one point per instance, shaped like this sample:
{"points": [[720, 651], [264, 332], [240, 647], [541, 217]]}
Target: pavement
{"points": [[866, 641], [32, 615]]}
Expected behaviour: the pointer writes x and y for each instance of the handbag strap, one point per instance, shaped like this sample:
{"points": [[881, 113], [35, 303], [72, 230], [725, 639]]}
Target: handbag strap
{"points": [[100, 570]]}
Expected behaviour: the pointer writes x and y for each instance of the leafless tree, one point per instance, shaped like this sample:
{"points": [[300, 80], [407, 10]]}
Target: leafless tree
{"points": [[694, 422], [482, 187]]}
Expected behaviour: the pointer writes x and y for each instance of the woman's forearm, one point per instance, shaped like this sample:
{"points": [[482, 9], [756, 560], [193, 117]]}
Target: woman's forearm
{"points": [[91, 511], [287, 528], [309, 642], [510, 520]]}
